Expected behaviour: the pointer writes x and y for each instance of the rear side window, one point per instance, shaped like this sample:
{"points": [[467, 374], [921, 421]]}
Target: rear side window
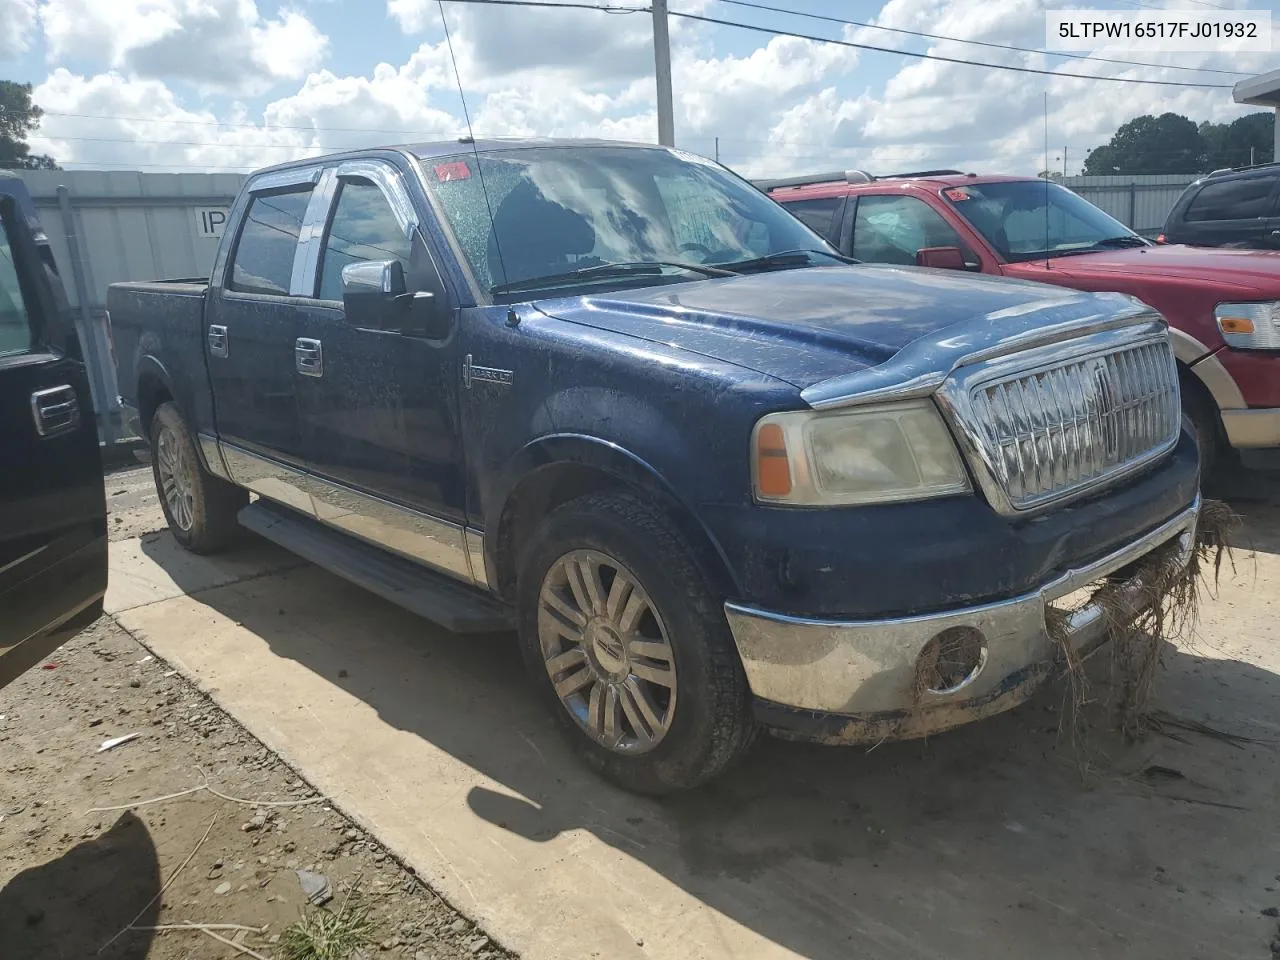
{"points": [[1232, 200], [817, 214], [263, 261]]}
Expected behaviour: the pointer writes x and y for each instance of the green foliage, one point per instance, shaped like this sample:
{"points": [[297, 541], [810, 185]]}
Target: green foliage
{"points": [[322, 934], [18, 118], [1171, 143]]}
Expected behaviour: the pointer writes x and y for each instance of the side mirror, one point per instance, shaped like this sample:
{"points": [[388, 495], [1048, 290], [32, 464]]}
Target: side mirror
{"points": [[941, 258], [374, 296]]}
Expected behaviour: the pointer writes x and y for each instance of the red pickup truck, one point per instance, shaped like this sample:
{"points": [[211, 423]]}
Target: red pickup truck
{"points": [[1223, 306]]}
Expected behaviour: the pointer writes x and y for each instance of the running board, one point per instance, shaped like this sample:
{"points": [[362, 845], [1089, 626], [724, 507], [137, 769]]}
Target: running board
{"points": [[434, 596]]}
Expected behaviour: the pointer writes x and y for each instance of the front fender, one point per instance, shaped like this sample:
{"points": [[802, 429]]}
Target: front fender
{"points": [[611, 460]]}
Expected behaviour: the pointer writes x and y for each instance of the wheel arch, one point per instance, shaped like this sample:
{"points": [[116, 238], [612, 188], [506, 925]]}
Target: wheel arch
{"points": [[555, 469]]}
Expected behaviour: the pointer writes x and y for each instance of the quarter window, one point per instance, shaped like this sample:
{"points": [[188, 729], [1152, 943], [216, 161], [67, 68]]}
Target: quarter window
{"points": [[263, 261], [890, 229], [364, 227], [15, 322], [1232, 200]]}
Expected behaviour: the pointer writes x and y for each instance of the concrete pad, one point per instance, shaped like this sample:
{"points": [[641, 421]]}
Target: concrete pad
{"points": [[154, 567], [981, 843]]}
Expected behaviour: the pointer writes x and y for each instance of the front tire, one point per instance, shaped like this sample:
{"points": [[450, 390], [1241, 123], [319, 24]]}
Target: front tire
{"points": [[1200, 416], [630, 647], [199, 507]]}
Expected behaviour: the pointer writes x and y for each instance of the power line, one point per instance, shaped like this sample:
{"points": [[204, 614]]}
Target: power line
{"points": [[979, 43], [936, 56]]}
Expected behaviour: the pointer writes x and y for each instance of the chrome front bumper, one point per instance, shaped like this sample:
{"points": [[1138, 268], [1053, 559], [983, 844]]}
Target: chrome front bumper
{"points": [[863, 672]]}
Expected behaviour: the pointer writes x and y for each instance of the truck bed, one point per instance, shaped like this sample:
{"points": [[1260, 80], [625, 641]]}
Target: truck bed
{"points": [[158, 319]]}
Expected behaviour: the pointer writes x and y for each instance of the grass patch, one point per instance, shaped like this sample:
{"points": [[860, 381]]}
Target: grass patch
{"points": [[322, 934]]}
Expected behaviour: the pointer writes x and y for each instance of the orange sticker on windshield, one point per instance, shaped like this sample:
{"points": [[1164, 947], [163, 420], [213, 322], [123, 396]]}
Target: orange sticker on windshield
{"points": [[956, 193], [452, 171]]}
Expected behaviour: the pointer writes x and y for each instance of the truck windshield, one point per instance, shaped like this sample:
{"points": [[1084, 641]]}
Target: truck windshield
{"points": [[550, 218], [1035, 219]]}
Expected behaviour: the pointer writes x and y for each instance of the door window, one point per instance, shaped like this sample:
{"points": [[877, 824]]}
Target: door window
{"points": [[15, 322], [364, 227], [263, 261], [817, 214], [890, 229], [1232, 200]]}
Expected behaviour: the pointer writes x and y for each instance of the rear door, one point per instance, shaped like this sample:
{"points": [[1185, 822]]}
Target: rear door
{"points": [[822, 215], [53, 528], [1237, 212], [251, 323]]}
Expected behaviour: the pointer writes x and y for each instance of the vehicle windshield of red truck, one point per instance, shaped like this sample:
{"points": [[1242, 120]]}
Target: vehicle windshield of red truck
{"points": [[1034, 219]]}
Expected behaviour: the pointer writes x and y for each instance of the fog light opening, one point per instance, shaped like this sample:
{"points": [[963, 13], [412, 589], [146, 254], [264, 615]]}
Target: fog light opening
{"points": [[950, 661]]}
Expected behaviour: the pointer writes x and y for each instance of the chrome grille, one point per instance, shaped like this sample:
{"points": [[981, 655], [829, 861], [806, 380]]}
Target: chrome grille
{"points": [[1066, 427]]}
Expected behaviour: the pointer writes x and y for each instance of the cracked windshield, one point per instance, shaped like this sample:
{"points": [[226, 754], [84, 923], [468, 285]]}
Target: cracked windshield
{"points": [[539, 219]]}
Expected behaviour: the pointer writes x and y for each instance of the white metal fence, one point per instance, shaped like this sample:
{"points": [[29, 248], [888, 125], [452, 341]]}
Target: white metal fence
{"points": [[1139, 202]]}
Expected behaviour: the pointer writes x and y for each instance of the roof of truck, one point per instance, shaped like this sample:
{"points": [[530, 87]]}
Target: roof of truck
{"points": [[450, 148]]}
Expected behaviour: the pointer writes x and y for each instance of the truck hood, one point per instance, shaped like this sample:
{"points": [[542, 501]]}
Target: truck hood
{"points": [[806, 325], [1255, 272]]}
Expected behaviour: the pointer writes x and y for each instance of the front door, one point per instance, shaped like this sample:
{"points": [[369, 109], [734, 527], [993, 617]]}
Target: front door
{"points": [[53, 527], [378, 408]]}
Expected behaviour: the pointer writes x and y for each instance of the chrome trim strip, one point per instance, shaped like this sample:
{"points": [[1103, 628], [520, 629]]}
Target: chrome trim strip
{"points": [[428, 540], [922, 365], [306, 258], [213, 456], [475, 557], [868, 666]]}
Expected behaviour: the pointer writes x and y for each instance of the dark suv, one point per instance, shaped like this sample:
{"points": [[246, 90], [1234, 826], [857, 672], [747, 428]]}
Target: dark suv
{"points": [[1229, 208]]}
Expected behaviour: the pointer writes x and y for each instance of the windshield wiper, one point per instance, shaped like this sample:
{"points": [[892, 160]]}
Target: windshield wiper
{"points": [[604, 270], [785, 258], [1128, 240]]}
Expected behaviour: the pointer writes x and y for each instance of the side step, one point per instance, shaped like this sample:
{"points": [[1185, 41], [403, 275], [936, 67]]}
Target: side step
{"points": [[434, 596]]}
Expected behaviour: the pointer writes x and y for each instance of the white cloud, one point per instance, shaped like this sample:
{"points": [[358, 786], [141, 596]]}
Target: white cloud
{"points": [[225, 44], [17, 17]]}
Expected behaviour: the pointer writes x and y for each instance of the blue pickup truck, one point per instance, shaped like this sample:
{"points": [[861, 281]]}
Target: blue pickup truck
{"points": [[717, 477]]}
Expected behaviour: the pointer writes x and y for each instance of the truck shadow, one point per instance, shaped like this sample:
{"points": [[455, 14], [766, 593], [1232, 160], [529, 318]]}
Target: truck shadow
{"points": [[70, 907], [1059, 839]]}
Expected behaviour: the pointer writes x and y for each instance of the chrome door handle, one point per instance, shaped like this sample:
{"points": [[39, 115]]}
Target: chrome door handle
{"points": [[217, 340], [55, 411], [308, 356]]}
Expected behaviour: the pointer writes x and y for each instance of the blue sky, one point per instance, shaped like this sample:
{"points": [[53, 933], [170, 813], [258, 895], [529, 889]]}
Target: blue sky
{"points": [[234, 84]]}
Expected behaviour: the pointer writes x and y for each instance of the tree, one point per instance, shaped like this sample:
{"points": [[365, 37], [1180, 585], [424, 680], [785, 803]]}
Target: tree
{"points": [[1247, 139], [18, 118], [1169, 143]]}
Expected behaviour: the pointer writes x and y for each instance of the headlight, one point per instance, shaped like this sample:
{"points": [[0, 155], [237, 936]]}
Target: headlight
{"points": [[1249, 326], [874, 454]]}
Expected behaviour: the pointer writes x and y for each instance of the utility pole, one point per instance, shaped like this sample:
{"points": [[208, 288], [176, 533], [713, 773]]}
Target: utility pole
{"points": [[1064, 163], [662, 73], [717, 149]]}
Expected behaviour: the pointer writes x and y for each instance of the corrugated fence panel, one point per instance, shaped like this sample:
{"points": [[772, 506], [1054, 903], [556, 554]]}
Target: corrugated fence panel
{"points": [[126, 226], [1140, 202]]}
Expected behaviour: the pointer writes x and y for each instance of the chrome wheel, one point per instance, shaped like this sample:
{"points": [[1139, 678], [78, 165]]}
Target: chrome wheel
{"points": [[606, 651], [176, 485]]}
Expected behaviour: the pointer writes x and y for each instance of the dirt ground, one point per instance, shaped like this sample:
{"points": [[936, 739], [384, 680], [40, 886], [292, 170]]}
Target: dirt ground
{"points": [[1000, 840], [74, 880]]}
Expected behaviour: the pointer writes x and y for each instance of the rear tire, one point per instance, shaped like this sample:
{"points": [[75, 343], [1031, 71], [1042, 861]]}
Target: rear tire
{"points": [[629, 646], [199, 507]]}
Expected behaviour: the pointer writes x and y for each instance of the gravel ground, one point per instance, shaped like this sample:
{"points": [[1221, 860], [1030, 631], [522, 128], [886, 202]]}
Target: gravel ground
{"points": [[73, 879]]}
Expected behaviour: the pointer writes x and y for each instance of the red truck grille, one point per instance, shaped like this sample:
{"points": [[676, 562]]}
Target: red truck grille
{"points": [[1053, 431]]}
